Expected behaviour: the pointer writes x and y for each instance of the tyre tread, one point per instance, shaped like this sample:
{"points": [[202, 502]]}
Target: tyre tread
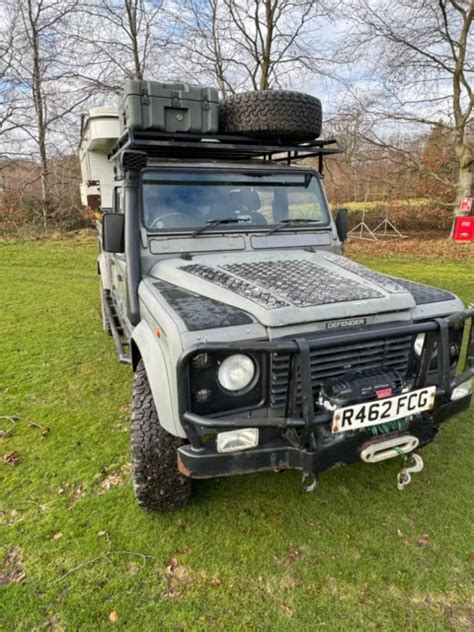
{"points": [[158, 484], [272, 113]]}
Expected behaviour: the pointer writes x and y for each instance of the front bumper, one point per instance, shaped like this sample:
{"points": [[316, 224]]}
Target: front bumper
{"points": [[278, 454], [302, 439]]}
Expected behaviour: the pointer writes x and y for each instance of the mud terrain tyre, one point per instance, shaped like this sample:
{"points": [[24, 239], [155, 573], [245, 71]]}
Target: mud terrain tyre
{"points": [[158, 484], [271, 113]]}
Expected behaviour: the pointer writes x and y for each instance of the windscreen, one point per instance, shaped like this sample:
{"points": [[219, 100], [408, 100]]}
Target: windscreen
{"points": [[232, 200]]}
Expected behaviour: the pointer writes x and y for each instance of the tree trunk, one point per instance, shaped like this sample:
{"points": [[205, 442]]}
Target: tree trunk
{"points": [[267, 52], [132, 22], [39, 110], [218, 64], [465, 158], [44, 181]]}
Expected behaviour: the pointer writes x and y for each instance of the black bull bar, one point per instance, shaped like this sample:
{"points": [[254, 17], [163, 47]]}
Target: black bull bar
{"points": [[300, 412]]}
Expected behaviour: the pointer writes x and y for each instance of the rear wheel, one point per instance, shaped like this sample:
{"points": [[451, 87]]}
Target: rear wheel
{"points": [[159, 485]]}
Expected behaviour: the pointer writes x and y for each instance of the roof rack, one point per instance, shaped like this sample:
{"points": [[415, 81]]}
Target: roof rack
{"points": [[174, 145]]}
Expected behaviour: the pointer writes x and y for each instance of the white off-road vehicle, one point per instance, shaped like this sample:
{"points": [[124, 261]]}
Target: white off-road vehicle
{"points": [[256, 345]]}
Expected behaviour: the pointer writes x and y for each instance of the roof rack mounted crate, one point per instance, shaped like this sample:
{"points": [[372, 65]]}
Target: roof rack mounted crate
{"points": [[169, 107]]}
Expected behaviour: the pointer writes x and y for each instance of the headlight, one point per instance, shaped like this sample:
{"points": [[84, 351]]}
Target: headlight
{"points": [[463, 390], [419, 343], [236, 372]]}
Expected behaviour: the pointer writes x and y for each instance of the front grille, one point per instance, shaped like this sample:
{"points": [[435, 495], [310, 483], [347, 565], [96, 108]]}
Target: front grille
{"points": [[392, 353]]}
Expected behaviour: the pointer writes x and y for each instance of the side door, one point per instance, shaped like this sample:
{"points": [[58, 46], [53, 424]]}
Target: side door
{"points": [[118, 267]]}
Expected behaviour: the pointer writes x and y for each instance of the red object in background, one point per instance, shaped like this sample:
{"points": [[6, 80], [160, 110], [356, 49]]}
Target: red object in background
{"points": [[466, 205], [464, 229]]}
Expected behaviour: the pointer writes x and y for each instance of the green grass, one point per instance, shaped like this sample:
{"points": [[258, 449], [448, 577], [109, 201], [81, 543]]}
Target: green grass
{"points": [[377, 204], [350, 556]]}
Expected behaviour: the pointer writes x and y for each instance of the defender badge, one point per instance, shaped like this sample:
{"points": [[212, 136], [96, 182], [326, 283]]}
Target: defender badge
{"points": [[346, 324]]}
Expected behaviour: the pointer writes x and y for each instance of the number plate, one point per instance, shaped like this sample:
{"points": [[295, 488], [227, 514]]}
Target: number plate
{"points": [[381, 411]]}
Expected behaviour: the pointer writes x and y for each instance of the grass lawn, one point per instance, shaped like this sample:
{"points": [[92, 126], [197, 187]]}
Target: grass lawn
{"points": [[250, 553], [375, 204]]}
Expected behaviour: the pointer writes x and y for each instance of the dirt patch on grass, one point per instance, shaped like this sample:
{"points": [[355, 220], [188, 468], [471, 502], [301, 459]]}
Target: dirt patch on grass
{"points": [[459, 614], [180, 578], [11, 571]]}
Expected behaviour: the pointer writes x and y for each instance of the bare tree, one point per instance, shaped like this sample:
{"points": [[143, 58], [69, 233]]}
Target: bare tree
{"points": [[419, 70], [257, 44], [120, 40], [43, 83], [8, 96], [205, 41]]}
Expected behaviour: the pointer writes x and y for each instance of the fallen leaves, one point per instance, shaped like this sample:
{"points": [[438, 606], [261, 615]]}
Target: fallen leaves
{"points": [[179, 577], [113, 616], [80, 491], [423, 540], [11, 458], [12, 571], [293, 554], [116, 478], [400, 534], [57, 536], [420, 248], [11, 517], [108, 478], [54, 622]]}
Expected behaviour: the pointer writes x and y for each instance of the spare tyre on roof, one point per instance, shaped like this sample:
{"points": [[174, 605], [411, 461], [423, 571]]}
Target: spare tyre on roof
{"points": [[288, 116]]}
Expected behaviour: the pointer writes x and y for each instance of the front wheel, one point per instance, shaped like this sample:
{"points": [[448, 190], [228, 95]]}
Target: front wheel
{"points": [[159, 485]]}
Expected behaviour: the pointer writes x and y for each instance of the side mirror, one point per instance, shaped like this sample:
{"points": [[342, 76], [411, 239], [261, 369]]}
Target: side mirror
{"points": [[342, 223], [113, 225]]}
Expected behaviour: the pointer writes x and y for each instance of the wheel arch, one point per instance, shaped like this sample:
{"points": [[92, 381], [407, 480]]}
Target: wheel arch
{"points": [[135, 354], [146, 347]]}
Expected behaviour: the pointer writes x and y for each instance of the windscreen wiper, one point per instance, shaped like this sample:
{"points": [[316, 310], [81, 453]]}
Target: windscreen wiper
{"points": [[295, 220], [212, 223]]}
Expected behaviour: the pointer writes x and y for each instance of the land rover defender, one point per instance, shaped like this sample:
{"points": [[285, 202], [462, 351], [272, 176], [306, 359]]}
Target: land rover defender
{"points": [[255, 343]]}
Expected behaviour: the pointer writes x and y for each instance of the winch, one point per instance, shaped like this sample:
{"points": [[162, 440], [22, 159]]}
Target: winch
{"points": [[356, 387]]}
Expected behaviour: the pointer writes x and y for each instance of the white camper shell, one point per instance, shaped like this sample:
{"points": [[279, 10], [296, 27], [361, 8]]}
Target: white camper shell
{"points": [[99, 131]]}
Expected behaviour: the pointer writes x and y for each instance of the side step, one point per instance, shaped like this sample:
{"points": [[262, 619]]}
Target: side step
{"points": [[119, 340]]}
